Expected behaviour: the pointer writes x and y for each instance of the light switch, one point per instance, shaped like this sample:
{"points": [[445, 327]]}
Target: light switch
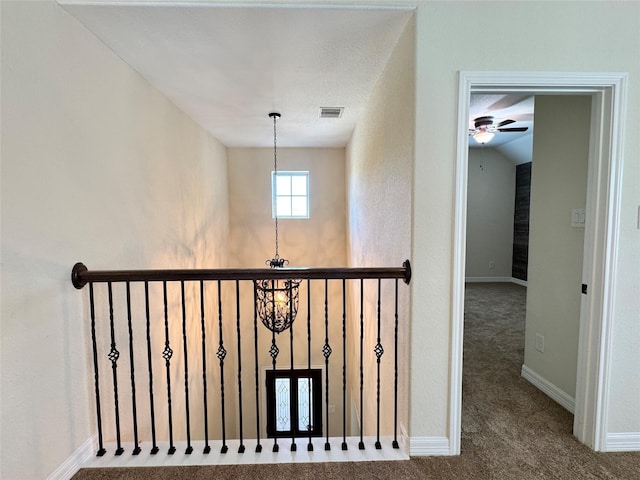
{"points": [[578, 216]]}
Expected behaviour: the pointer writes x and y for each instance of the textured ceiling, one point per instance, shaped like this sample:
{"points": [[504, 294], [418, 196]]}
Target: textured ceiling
{"points": [[227, 66]]}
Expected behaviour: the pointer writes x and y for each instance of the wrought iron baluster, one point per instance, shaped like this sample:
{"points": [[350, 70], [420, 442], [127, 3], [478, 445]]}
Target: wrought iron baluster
{"points": [[167, 353], [221, 354], [361, 443], [344, 365], [207, 447], [239, 362], [293, 421], [186, 368], [310, 444], [394, 444], [378, 351], [113, 356], [154, 446], [326, 351], [273, 351], [136, 449], [101, 451], [256, 372]]}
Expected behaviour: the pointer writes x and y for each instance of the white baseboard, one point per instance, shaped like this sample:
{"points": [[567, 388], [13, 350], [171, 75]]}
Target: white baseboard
{"points": [[622, 442], [487, 279], [429, 446], [549, 389], [77, 459], [517, 281]]}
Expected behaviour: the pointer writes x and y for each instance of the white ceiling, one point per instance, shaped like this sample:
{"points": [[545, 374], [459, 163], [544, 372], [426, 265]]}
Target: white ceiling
{"points": [[228, 66]]}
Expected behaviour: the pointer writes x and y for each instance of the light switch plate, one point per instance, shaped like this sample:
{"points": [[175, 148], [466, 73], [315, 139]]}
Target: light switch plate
{"points": [[578, 216]]}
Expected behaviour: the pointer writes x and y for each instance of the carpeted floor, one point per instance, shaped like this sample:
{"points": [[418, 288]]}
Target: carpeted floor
{"points": [[510, 430]]}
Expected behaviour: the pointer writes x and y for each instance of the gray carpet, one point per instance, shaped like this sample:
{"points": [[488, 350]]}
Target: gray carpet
{"points": [[510, 430]]}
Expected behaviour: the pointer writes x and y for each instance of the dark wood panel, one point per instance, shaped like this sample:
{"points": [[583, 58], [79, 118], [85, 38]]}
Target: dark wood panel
{"points": [[521, 221]]}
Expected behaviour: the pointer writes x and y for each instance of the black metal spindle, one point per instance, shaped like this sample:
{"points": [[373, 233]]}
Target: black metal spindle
{"points": [[273, 351], [326, 351], [101, 451], [311, 416], [239, 362], [256, 372], [394, 444], [378, 351], [186, 369], [221, 354], [154, 446], [134, 410], [167, 353], [344, 365], [293, 421], [361, 443], [113, 356], [207, 447]]}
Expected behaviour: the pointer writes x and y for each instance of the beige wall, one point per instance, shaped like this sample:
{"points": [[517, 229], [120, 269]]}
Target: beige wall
{"points": [[558, 185], [319, 240], [591, 44], [97, 167], [379, 171], [490, 204]]}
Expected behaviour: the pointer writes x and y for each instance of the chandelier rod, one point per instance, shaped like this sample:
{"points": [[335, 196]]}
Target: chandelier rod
{"points": [[275, 116]]}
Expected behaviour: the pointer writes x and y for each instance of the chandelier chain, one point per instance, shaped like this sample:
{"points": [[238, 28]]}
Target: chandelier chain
{"points": [[275, 169]]}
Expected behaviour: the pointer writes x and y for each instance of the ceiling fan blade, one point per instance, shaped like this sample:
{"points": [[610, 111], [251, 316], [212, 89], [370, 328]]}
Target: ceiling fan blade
{"points": [[505, 122], [517, 129]]}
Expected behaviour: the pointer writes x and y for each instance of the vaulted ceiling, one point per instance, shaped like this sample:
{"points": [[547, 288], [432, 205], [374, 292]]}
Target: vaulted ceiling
{"points": [[228, 66]]}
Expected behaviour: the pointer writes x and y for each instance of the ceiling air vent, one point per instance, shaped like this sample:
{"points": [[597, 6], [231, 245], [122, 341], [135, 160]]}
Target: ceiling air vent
{"points": [[331, 112]]}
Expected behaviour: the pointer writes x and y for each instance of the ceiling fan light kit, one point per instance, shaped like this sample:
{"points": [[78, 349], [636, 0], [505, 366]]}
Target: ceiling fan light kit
{"points": [[484, 128]]}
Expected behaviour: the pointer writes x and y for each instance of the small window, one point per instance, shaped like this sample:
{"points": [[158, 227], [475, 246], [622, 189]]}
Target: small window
{"points": [[290, 194], [294, 401]]}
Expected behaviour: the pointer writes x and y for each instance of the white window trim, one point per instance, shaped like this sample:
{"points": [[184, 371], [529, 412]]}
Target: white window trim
{"points": [[299, 173]]}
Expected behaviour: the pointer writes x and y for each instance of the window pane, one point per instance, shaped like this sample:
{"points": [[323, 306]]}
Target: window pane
{"points": [[283, 206], [305, 409], [299, 207], [298, 185], [283, 185], [283, 423]]}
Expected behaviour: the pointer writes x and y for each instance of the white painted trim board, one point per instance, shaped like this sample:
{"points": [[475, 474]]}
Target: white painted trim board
{"points": [[549, 389], [77, 459], [593, 376]]}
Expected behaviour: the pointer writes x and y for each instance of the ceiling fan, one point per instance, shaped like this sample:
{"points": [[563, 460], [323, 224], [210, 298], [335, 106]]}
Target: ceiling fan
{"points": [[484, 128]]}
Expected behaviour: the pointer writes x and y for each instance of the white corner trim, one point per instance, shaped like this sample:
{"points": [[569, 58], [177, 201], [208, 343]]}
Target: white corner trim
{"points": [[429, 447], [77, 459], [517, 281], [549, 389], [622, 442]]}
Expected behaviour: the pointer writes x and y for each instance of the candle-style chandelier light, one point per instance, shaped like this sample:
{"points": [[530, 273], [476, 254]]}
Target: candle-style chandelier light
{"points": [[276, 300]]}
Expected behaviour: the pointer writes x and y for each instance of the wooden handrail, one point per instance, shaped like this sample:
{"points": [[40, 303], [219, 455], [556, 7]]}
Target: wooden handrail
{"points": [[80, 275]]}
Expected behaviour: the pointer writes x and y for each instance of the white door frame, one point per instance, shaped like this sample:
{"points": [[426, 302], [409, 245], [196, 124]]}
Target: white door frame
{"points": [[608, 91]]}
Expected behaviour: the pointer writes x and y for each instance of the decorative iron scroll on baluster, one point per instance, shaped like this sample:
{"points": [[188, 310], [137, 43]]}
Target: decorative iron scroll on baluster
{"points": [[167, 353]]}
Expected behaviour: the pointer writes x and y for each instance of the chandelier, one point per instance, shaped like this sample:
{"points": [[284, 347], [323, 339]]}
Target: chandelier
{"points": [[276, 300]]}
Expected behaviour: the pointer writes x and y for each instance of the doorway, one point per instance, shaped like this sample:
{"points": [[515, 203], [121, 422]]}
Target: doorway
{"points": [[607, 92]]}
